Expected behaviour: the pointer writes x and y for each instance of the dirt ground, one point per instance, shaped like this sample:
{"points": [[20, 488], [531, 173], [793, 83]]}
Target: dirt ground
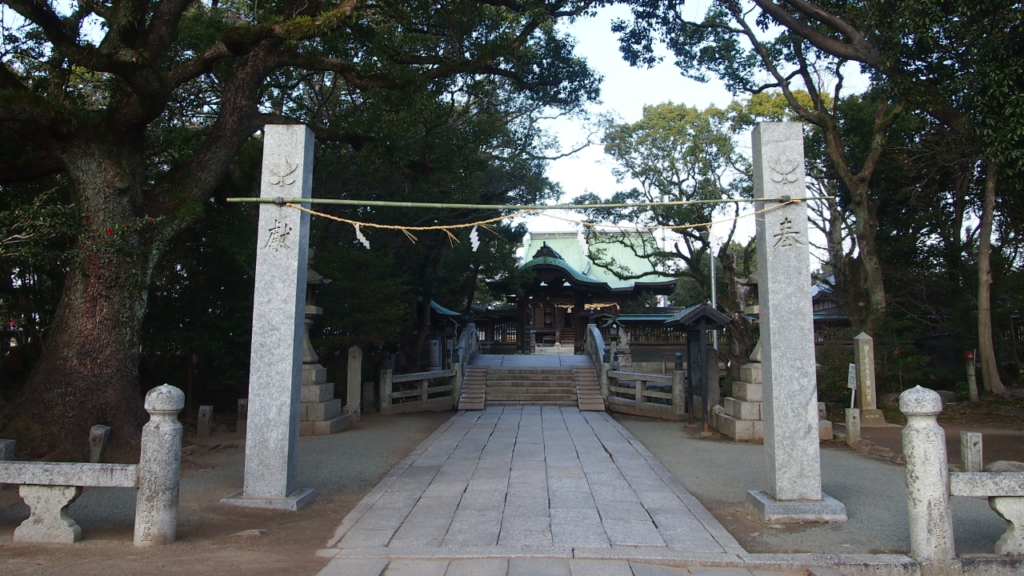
{"points": [[342, 468]]}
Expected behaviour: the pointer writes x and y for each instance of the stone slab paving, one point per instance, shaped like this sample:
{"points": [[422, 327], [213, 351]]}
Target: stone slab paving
{"points": [[548, 490], [526, 490]]}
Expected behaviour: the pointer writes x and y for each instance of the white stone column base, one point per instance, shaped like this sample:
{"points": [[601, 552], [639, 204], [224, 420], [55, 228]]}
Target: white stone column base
{"points": [[293, 501], [827, 509]]}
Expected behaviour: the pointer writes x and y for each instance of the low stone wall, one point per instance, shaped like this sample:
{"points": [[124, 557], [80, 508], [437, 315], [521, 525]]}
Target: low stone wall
{"points": [[49, 488]]}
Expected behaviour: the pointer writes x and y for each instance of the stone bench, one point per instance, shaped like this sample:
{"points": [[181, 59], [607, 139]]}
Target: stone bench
{"points": [[49, 488], [1005, 493]]}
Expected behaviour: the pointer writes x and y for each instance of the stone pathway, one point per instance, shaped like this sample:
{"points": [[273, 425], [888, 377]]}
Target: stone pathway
{"points": [[529, 490]]}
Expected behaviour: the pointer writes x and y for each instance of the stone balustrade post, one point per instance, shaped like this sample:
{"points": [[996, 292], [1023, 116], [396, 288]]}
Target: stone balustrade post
{"points": [[931, 519], [385, 391], [156, 505], [456, 381]]}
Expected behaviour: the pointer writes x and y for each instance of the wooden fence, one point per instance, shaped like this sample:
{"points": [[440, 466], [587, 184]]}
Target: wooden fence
{"points": [[417, 392], [640, 400]]}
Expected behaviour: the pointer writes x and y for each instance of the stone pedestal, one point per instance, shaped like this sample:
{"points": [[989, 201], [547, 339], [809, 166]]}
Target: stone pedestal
{"points": [[790, 412], [741, 419], [275, 372]]}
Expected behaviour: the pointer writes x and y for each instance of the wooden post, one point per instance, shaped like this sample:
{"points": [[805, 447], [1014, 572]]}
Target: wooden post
{"points": [[424, 384], [385, 391]]}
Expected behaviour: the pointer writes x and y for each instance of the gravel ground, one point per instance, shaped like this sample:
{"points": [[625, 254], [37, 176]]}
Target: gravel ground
{"points": [[719, 473]]}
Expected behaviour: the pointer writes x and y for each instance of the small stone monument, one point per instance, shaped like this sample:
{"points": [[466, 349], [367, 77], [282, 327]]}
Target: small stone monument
{"points": [[98, 436], [204, 422], [275, 371], [243, 415], [353, 385], [864, 357], [790, 408]]}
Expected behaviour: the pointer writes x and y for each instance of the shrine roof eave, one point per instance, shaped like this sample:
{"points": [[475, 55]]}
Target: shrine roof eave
{"points": [[575, 276], [661, 287], [694, 314]]}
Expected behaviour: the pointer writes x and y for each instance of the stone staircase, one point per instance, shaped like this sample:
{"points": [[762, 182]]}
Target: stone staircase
{"points": [[588, 389], [474, 388], [531, 387]]}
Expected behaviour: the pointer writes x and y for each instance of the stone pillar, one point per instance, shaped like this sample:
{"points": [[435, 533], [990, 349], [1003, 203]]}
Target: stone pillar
{"points": [[353, 391], [678, 387], [924, 444], [970, 452], [205, 421], [853, 424], [275, 369], [243, 415], [787, 335], [156, 504], [98, 436], [6, 454], [864, 357]]}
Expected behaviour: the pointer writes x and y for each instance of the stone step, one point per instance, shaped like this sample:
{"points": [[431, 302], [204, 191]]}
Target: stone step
{"points": [[325, 427], [530, 378], [520, 384], [743, 410], [319, 411], [317, 392], [747, 392], [742, 430], [570, 404], [531, 398], [530, 371]]}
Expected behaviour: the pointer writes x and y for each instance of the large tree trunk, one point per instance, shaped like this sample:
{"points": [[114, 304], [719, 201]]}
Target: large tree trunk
{"points": [[88, 371], [741, 329], [989, 367], [865, 229]]}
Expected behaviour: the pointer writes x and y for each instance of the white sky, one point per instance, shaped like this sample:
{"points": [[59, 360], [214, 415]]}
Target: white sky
{"points": [[624, 93]]}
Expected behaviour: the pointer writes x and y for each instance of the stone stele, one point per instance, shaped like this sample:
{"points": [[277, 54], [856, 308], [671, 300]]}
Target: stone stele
{"points": [[275, 370], [864, 357], [787, 335]]}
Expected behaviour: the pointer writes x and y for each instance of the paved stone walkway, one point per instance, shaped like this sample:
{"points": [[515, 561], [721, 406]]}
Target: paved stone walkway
{"points": [[531, 490]]}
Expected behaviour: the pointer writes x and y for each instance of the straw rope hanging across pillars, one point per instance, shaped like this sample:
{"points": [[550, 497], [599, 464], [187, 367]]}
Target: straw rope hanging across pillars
{"points": [[517, 211]]}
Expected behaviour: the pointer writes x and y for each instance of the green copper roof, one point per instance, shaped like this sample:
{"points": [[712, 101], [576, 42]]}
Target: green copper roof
{"points": [[562, 265], [568, 247]]}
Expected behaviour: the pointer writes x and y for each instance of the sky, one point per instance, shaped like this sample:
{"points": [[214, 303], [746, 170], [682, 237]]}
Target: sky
{"points": [[624, 93]]}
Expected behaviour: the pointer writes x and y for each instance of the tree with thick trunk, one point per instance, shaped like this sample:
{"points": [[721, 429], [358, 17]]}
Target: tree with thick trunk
{"points": [[143, 123], [989, 369]]}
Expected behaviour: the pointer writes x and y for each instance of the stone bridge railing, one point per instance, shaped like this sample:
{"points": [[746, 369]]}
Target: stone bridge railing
{"points": [[930, 486], [420, 392], [49, 488], [469, 343]]}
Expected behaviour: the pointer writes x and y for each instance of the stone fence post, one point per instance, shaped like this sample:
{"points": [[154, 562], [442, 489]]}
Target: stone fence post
{"points": [[385, 391], [678, 387], [156, 505], [931, 519]]}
